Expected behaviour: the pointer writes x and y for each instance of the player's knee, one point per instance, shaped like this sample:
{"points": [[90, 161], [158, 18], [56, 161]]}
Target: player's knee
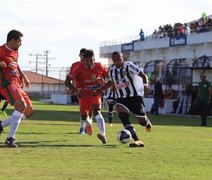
{"points": [[28, 112], [20, 105]]}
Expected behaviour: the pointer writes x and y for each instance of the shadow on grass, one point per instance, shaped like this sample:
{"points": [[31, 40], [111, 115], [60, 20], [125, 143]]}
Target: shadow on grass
{"points": [[39, 133], [74, 116], [174, 120], [35, 144], [55, 115]]}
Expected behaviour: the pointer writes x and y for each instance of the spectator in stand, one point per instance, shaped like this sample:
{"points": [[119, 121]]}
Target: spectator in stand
{"points": [[179, 29], [195, 26], [186, 29], [161, 32], [170, 93], [141, 34], [155, 34], [158, 97], [209, 24]]}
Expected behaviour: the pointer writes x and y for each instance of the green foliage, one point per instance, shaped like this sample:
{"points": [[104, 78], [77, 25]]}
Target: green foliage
{"points": [[50, 147]]}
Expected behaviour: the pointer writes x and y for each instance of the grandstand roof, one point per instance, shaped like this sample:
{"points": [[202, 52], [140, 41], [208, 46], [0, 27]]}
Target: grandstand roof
{"points": [[36, 78]]}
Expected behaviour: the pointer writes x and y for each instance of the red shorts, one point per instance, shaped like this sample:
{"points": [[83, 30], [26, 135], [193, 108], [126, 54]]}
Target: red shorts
{"points": [[14, 92], [87, 103]]}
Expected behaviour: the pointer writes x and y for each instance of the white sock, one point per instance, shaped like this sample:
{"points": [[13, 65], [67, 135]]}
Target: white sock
{"points": [[101, 123], [82, 122], [6, 122], [15, 121], [90, 120], [23, 117]]}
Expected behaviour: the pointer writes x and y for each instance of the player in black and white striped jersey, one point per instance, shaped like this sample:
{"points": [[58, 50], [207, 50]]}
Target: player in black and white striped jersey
{"points": [[127, 82], [126, 78]]}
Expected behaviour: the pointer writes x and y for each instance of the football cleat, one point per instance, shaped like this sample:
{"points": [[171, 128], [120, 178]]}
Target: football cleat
{"points": [[89, 130], [82, 130], [102, 138], [10, 142], [90, 121], [137, 143], [148, 126]]}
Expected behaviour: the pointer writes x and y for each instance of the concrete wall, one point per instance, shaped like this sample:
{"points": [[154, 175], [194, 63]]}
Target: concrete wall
{"points": [[198, 44]]}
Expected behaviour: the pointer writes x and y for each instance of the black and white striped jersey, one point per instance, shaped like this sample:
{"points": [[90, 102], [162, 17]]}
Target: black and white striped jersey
{"points": [[126, 80], [111, 94]]}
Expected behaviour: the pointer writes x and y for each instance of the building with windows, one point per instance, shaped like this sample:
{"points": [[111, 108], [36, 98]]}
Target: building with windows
{"points": [[174, 55]]}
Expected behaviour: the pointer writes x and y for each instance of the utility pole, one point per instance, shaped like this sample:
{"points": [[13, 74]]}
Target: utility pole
{"points": [[45, 57], [37, 57], [47, 61], [46, 53]]}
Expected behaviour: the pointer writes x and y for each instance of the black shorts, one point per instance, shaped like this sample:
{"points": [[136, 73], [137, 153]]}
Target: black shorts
{"points": [[133, 104], [111, 100]]}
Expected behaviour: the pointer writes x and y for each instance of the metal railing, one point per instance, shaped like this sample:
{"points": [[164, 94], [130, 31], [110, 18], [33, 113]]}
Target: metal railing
{"points": [[129, 39]]}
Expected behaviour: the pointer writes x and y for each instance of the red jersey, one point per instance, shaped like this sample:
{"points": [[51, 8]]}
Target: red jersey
{"points": [[90, 79], [73, 67], [11, 72]]}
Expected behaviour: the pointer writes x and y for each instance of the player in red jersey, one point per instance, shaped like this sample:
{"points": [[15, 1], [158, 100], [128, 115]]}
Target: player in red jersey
{"points": [[10, 86], [70, 84], [75, 66], [91, 76]]}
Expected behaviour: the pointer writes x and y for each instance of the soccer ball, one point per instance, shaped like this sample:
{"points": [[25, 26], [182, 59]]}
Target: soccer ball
{"points": [[124, 136]]}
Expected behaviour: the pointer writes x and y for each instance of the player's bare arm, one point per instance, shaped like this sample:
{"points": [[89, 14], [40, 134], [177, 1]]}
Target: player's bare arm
{"points": [[147, 89], [3, 64], [24, 77], [104, 87], [69, 85]]}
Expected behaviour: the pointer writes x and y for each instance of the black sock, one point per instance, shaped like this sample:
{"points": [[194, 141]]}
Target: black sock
{"points": [[127, 125], [110, 107], [4, 106], [110, 117]]}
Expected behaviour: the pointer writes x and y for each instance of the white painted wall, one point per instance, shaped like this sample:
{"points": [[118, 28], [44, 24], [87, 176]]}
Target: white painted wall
{"points": [[39, 88], [198, 44]]}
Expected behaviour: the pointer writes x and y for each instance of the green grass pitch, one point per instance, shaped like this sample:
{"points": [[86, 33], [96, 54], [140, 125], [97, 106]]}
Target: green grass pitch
{"points": [[50, 147]]}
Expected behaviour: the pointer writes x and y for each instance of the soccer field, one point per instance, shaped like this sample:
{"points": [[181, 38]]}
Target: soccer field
{"points": [[50, 147]]}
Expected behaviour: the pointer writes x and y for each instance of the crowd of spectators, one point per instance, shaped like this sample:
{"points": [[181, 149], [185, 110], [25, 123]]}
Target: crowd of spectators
{"points": [[203, 24]]}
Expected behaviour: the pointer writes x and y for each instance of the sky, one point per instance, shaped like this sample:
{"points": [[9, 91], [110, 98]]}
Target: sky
{"points": [[63, 27]]}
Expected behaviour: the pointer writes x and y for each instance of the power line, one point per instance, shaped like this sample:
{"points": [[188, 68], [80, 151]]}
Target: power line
{"points": [[37, 57], [44, 56], [47, 61]]}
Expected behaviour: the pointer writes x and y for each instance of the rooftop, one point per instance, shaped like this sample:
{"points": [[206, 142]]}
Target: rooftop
{"points": [[37, 78]]}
